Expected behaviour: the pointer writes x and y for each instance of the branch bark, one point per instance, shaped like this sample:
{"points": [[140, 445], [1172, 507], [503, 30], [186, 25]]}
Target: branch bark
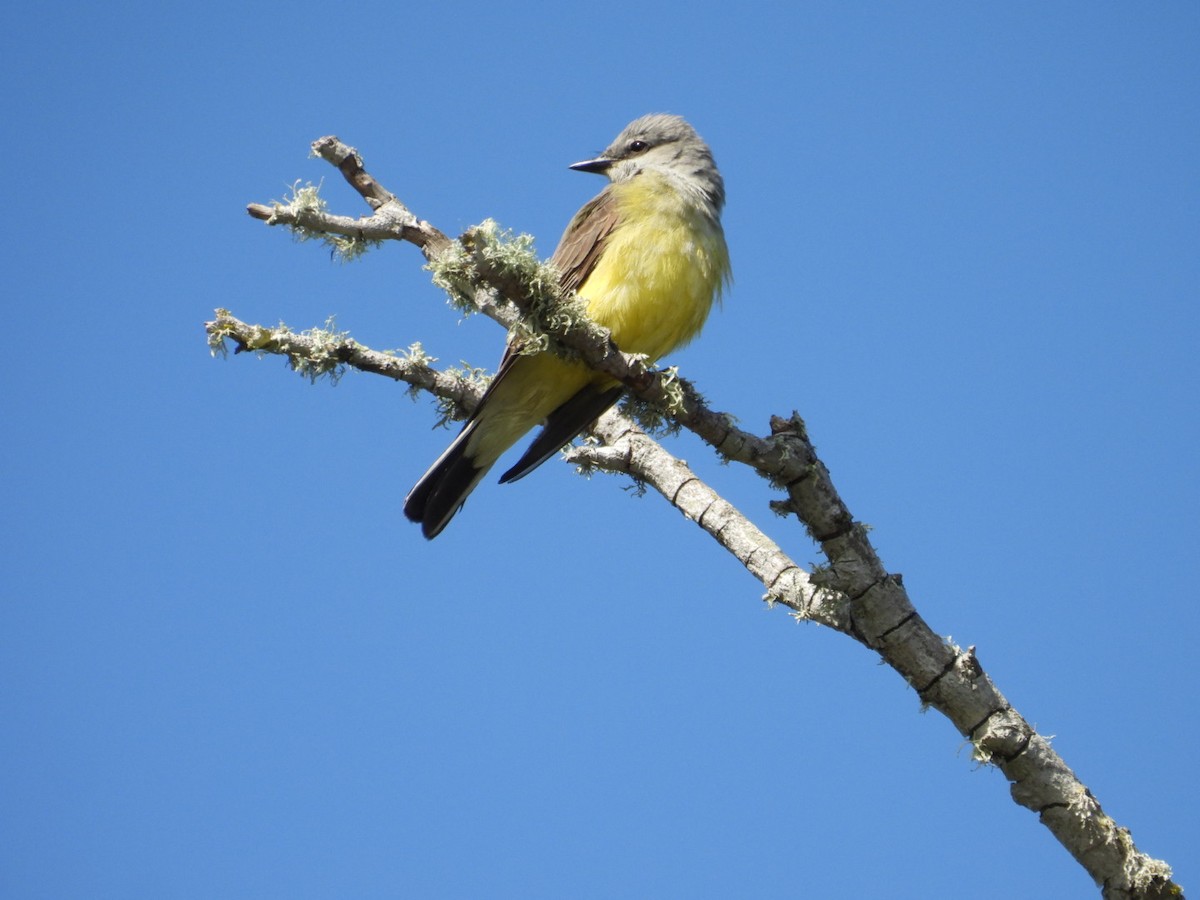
{"points": [[854, 594]]}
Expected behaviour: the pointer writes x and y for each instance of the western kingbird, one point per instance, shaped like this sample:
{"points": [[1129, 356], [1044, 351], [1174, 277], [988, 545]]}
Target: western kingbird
{"points": [[648, 257]]}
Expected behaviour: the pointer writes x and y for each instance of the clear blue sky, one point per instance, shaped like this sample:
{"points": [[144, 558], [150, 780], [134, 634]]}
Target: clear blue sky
{"points": [[966, 242]]}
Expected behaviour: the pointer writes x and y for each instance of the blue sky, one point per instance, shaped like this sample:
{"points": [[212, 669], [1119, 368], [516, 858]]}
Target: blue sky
{"points": [[965, 250]]}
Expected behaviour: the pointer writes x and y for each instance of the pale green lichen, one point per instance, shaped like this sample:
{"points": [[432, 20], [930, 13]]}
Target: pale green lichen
{"points": [[414, 354], [514, 256], [672, 385], [261, 340], [453, 270], [314, 353], [307, 201], [655, 418], [507, 257], [346, 249], [322, 357], [449, 409], [218, 331]]}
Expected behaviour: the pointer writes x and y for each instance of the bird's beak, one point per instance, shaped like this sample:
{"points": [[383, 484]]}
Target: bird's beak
{"points": [[599, 165]]}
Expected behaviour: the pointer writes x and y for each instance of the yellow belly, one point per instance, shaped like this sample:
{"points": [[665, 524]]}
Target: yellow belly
{"points": [[653, 288], [660, 272]]}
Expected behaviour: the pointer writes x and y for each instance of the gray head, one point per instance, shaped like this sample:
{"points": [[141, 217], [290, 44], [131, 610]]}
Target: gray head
{"points": [[667, 144]]}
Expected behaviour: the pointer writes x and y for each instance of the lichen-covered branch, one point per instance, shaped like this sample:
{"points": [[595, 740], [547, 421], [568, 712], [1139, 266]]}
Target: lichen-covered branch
{"points": [[304, 212], [854, 593], [626, 449]]}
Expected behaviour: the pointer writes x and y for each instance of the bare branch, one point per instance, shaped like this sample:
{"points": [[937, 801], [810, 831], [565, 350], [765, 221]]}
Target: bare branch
{"points": [[629, 450]]}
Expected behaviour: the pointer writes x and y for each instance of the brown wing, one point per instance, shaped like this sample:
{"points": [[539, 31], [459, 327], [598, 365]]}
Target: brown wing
{"points": [[584, 240], [442, 490], [576, 256], [578, 250]]}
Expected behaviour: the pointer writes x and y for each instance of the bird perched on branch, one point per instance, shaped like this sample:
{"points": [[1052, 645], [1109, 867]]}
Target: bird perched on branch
{"points": [[647, 256]]}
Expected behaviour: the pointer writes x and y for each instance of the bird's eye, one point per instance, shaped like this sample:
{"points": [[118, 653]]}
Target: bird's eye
{"points": [[637, 146]]}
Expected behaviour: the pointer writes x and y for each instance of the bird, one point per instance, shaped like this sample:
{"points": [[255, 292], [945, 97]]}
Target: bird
{"points": [[648, 257]]}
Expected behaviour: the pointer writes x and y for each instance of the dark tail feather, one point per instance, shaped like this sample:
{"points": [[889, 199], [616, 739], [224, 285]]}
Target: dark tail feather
{"points": [[443, 490], [563, 426]]}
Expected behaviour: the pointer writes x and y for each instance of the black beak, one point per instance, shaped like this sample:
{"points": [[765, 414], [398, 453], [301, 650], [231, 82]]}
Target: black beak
{"points": [[598, 166]]}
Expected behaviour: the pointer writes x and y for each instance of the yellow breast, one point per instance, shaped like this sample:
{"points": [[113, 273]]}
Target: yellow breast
{"points": [[662, 268]]}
